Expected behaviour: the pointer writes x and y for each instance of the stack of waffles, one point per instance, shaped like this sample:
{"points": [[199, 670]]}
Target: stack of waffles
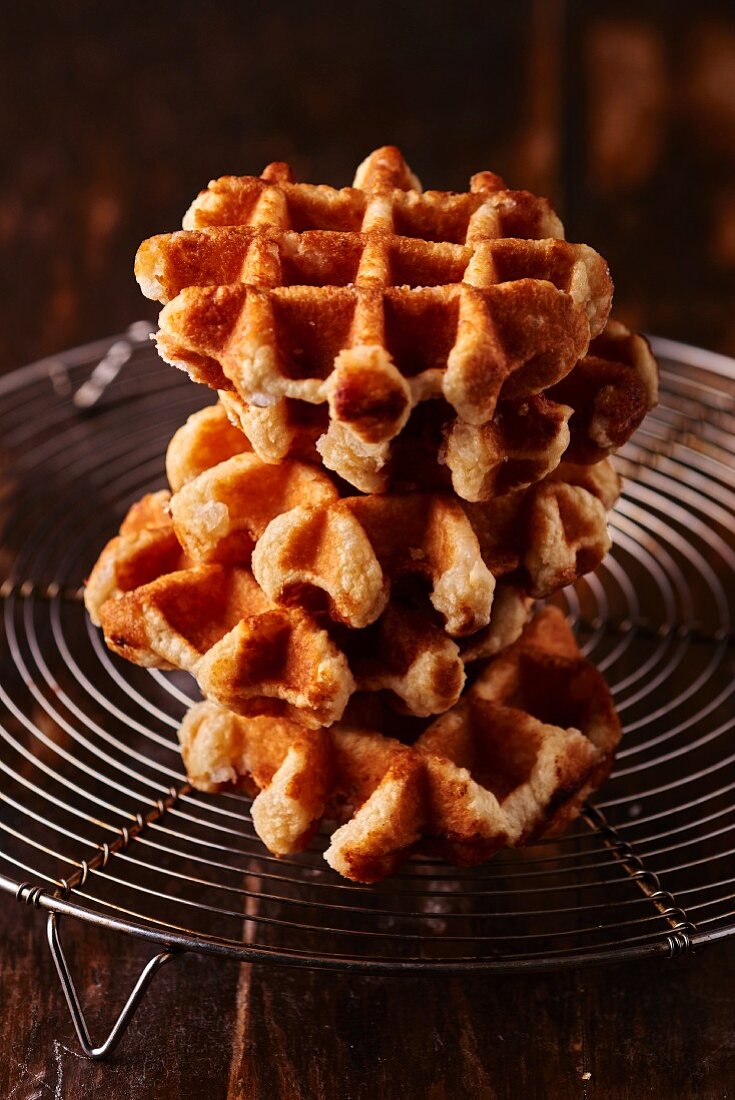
{"points": [[418, 397]]}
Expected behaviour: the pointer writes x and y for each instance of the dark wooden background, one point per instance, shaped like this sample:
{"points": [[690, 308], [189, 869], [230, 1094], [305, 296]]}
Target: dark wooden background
{"points": [[112, 116]]}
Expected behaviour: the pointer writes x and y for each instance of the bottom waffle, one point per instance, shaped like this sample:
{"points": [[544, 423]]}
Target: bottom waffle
{"points": [[513, 760]]}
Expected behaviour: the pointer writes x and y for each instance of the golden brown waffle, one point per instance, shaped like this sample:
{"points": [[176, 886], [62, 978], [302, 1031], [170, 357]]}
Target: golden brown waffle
{"points": [[146, 548], [246, 654], [592, 412], [610, 391], [548, 536], [356, 552], [307, 546], [206, 439], [523, 442], [513, 760], [159, 608], [373, 298], [288, 429], [353, 549]]}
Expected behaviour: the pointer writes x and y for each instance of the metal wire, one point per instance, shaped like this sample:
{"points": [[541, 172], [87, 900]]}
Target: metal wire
{"points": [[96, 817]]}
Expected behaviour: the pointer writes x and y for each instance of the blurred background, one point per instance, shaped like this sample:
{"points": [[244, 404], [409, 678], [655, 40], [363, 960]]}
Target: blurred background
{"points": [[113, 116]]}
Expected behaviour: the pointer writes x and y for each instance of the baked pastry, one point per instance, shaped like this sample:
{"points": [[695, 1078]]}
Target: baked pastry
{"points": [[309, 544], [418, 397], [512, 761], [584, 418], [370, 300], [160, 609]]}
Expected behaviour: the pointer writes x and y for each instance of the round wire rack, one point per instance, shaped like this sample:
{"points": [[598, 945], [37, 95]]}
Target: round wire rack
{"points": [[97, 820]]}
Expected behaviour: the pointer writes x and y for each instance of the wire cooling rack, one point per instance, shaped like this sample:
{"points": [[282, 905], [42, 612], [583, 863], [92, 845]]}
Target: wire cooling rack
{"points": [[97, 820]]}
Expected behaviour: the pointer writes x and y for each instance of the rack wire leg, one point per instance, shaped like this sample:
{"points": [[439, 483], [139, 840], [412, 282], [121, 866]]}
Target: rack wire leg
{"points": [[72, 1000]]}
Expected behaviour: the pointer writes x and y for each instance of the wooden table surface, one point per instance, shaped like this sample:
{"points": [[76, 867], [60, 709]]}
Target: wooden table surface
{"points": [[216, 1029], [110, 121]]}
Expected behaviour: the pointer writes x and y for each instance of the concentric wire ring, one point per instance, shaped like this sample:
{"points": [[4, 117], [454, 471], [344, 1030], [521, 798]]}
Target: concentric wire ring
{"points": [[96, 818]]}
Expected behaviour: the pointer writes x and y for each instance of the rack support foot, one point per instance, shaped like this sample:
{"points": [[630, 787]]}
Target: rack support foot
{"points": [[129, 1008]]}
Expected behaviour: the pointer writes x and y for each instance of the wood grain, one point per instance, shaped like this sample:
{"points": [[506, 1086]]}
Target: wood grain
{"points": [[211, 1028], [110, 121], [623, 113]]}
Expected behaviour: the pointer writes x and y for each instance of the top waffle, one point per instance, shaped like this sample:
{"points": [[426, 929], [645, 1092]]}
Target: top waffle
{"points": [[376, 297]]}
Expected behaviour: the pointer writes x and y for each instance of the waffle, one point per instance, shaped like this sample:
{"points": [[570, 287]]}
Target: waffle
{"points": [[373, 298], [159, 608], [244, 653], [146, 548], [369, 659], [288, 429], [206, 439], [423, 670], [307, 546], [582, 419], [610, 391], [522, 443], [350, 557], [512, 761], [548, 536]]}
